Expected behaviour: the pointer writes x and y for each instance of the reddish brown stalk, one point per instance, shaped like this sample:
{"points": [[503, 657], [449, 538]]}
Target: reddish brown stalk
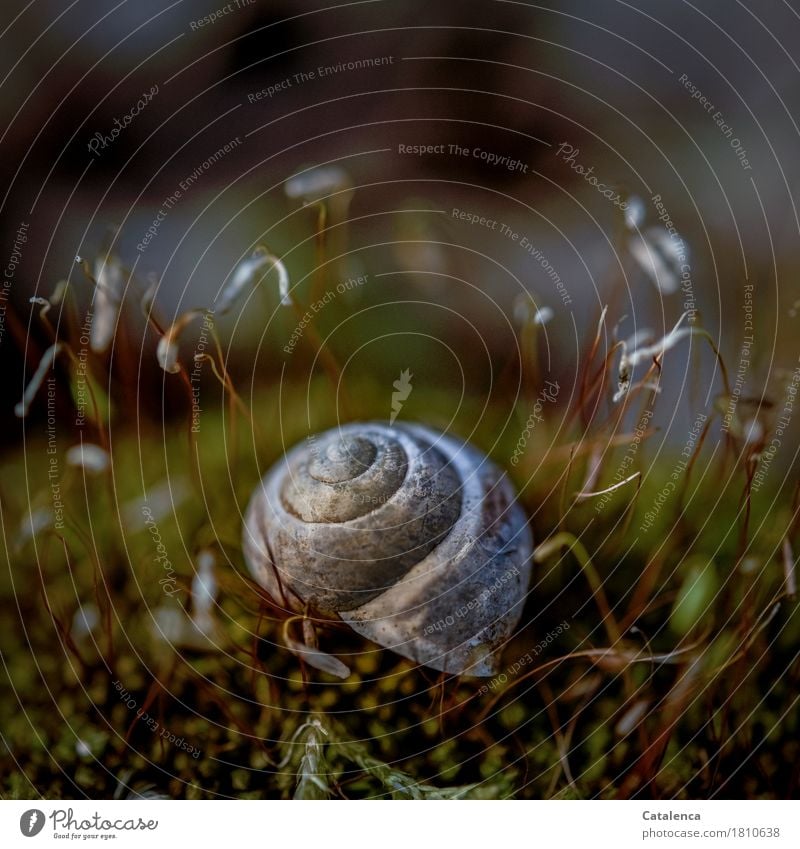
{"points": [[620, 658], [562, 746], [747, 493], [645, 771], [104, 600], [562, 508], [589, 359], [643, 592]]}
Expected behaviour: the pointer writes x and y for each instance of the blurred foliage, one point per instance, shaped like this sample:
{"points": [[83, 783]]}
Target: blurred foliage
{"points": [[697, 698], [658, 653]]}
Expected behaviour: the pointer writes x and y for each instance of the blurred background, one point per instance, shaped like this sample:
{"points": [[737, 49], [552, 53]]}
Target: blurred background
{"points": [[461, 194], [650, 95]]}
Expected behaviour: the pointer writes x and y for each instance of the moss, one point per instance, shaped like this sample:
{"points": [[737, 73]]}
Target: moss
{"points": [[548, 729]]}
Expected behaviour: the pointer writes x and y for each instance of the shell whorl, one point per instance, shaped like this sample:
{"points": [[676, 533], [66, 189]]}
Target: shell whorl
{"points": [[393, 528]]}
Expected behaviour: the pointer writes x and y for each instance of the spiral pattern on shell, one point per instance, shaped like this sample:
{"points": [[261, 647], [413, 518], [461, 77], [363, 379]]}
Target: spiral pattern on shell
{"points": [[409, 535]]}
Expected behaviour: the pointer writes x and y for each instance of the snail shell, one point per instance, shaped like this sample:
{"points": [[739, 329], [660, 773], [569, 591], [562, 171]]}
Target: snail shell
{"points": [[412, 537]]}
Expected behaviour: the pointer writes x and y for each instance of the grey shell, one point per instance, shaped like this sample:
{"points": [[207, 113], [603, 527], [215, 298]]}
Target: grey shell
{"points": [[412, 537]]}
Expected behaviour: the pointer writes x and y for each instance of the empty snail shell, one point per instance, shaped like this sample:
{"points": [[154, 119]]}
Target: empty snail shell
{"points": [[412, 537]]}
